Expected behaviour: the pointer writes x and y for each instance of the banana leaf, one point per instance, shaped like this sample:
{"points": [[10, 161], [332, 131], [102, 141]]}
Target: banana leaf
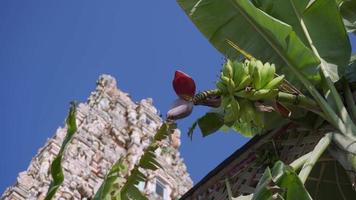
{"points": [[56, 167], [324, 24], [263, 36], [348, 12], [281, 182]]}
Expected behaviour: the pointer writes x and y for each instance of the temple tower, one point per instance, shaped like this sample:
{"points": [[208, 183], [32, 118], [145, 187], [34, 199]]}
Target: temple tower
{"points": [[110, 125]]}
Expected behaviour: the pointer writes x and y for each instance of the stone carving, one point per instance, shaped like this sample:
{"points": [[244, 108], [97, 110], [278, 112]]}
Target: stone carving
{"points": [[110, 125]]}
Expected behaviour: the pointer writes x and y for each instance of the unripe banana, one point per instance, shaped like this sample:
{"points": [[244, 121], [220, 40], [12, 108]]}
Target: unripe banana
{"points": [[239, 73], [256, 78], [231, 86], [228, 69], [231, 113], [246, 81], [244, 94], [251, 66], [264, 72], [273, 84], [225, 100], [263, 94], [271, 72], [224, 79]]}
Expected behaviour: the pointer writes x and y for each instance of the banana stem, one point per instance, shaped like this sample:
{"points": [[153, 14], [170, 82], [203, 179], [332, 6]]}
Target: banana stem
{"points": [[314, 157], [299, 162], [302, 101], [350, 100]]}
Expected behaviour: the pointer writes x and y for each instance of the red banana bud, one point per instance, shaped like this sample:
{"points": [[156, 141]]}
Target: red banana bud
{"points": [[183, 85]]}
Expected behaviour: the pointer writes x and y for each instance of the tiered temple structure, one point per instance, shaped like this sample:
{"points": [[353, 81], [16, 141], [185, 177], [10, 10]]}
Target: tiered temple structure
{"points": [[110, 125]]}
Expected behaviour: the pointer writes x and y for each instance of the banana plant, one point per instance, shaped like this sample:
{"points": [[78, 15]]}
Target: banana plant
{"points": [[298, 54], [120, 182], [56, 166]]}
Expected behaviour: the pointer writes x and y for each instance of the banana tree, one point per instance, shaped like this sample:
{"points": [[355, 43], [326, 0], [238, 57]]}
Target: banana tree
{"points": [[286, 60]]}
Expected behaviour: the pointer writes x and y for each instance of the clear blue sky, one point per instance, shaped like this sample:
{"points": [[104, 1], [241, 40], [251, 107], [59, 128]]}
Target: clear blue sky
{"points": [[52, 52]]}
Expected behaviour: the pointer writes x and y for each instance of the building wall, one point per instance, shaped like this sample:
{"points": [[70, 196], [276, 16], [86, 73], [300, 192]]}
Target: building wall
{"points": [[110, 125]]}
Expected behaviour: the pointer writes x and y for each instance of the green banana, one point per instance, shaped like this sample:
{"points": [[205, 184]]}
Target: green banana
{"points": [[246, 81], [225, 100], [251, 66], [271, 71], [264, 94], [231, 86], [244, 94], [239, 73], [224, 79], [264, 72], [274, 83], [228, 69], [231, 113], [257, 76]]}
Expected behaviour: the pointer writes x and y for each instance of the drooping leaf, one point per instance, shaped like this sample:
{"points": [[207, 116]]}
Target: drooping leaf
{"points": [[56, 168], [348, 12], [265, 37], [210, 123], [191, 129], [262, 191], [281, 181], [286, 178], [322, 21]]}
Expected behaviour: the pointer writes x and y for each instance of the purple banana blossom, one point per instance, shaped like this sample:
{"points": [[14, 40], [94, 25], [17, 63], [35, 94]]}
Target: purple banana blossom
{"points": [[180, 109]]}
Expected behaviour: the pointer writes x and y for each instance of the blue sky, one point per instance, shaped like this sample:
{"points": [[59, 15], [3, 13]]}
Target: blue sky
{"points": [[52, 52]]}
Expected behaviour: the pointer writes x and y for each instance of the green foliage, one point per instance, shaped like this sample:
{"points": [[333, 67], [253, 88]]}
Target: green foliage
{"points": [[282, 182], [308, 43], [120, 187], [251, 121], [110, 179], [265, 37], [208, 124], [56, 168], [351, 70], [348, 12], [241, 84], [316, 18]]}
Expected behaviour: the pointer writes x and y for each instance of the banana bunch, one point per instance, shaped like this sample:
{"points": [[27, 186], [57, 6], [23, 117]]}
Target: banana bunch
{"points": [[241, 83], [251, 121], [234, 77], [252, 80], [264, 84]]}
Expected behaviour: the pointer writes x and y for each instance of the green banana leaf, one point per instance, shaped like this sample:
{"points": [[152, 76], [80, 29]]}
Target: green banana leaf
{"points": [[282, 182], [208, 124], [56, 167], [104, 191], [351, 70], [348, 12], [265, 37], [324, 25], [109, 190]]}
